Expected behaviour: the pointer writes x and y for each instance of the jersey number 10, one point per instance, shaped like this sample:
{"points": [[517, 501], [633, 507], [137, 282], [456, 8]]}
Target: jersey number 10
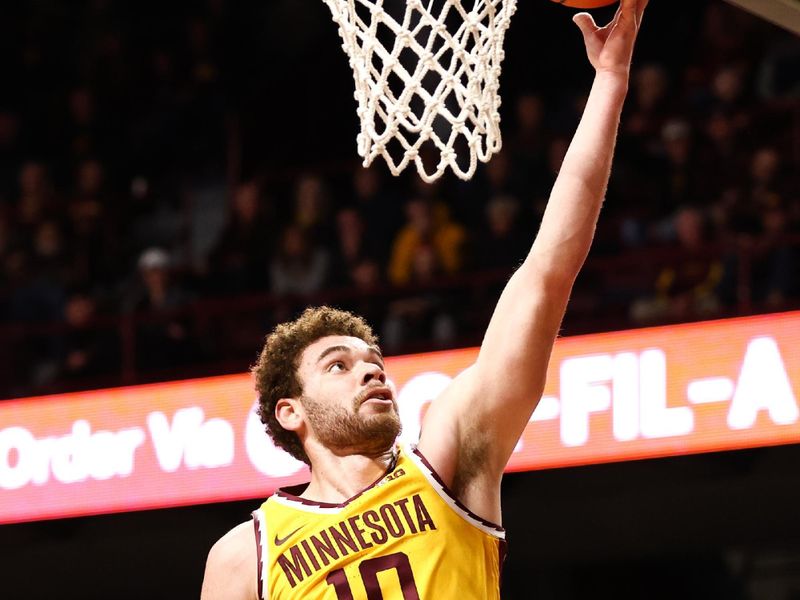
{"points": [[369, 570]]}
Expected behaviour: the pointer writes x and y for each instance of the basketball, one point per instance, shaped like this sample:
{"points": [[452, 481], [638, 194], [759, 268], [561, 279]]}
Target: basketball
{"points": [[584, 3]]}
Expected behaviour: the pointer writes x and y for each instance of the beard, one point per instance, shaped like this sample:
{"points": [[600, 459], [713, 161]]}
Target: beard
{"points": [[338, 428]]}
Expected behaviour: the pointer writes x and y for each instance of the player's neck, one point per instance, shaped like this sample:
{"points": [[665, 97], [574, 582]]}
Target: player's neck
{"points": [[337, 478]]}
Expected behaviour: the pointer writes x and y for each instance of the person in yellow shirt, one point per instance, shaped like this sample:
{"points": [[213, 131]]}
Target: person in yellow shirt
{"points": [[420, 522], [428, 224]]}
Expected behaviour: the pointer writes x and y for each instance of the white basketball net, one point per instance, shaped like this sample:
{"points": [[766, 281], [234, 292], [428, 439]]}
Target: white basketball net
{"points": [[426, 72]]}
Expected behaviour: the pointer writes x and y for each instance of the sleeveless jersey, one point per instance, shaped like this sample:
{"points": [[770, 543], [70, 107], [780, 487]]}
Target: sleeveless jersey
{"points": [[405, 537]]}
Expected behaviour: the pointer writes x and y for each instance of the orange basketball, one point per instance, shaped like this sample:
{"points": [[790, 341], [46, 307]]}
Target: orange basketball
{"points": [[584, 3]]}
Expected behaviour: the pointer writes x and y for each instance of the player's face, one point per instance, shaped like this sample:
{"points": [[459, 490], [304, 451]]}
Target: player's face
{"points": [[349, 404]]}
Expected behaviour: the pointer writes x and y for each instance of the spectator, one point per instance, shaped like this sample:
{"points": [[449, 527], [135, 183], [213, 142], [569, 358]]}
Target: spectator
{"points": [[687, 288], [352, 247], [379, 210], [502, 242], [312, 208], [36, 196], [87, 350], [83, 131], [759, 222], [300, 265], [92, 227], [768, 176], [39, 276], [773, 269], [426, 314], [427, 225], [239, 262], [730, 94], [52, 259], [721, 158], [501, 175], [528, 142], [153, 216], [676, 180], [649, 109], [163, 336], [365, 288]]}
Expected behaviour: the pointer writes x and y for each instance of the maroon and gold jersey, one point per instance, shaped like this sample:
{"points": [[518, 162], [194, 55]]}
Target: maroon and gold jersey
{"points": [[404, 537]]}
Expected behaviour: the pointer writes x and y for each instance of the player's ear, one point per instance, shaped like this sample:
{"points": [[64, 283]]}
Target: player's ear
{"points": [[289, 412]]}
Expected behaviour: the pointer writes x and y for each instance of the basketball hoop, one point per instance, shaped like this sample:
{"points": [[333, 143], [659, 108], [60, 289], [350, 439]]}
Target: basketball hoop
{"points": [[426, 79]]}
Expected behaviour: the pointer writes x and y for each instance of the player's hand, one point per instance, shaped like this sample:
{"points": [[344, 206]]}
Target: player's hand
{"points": [[610, 48]]}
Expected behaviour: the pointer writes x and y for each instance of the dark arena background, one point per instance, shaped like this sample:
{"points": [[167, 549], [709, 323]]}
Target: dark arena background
{"points": [[176, 178]]}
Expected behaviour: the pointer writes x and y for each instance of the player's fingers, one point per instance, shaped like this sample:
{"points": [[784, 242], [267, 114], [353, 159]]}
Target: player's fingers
{"points": [[626, 21], [640, 11], [627, 11], [618, 12], [585, 23], [631, 10]]}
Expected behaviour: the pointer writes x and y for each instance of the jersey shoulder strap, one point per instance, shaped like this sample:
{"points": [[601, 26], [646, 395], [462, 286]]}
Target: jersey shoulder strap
{"points": [[262, 547]]}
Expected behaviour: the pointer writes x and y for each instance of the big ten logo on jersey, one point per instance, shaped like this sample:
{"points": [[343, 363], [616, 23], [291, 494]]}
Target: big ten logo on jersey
{"points": [[392, 476]]}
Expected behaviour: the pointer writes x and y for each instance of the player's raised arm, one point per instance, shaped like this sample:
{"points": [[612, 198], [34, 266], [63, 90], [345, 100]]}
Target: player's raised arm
{"points": [[471, 430]]}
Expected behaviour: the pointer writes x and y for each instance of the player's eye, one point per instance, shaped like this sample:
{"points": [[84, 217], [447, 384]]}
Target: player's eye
{"points": [[336, 367]]}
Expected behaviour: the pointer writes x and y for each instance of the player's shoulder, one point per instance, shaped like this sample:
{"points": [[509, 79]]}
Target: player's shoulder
{"points": [[238, 541], [232, 565]]}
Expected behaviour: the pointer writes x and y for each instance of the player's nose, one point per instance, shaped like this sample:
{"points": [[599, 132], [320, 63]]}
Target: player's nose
{"points": [[372, 372]]}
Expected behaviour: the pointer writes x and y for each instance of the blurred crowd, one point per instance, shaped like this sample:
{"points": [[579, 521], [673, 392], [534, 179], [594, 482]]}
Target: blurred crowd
{"points": [[132, 241]]}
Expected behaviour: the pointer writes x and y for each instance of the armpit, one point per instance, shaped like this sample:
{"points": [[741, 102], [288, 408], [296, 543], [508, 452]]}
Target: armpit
{"points": [[473, 453]]}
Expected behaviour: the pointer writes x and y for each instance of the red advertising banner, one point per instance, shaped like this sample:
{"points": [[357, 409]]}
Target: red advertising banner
{"points": [[626, 395]]}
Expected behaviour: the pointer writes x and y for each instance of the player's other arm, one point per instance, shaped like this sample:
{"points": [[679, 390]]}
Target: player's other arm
{"points": [[471, 430], [232, 566]]}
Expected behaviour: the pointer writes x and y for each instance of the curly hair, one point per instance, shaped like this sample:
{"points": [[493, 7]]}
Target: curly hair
{"points": [[276, 369]]}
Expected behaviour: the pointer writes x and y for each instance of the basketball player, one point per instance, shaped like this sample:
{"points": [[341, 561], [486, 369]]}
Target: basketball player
{"points": [[419, 522]]}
